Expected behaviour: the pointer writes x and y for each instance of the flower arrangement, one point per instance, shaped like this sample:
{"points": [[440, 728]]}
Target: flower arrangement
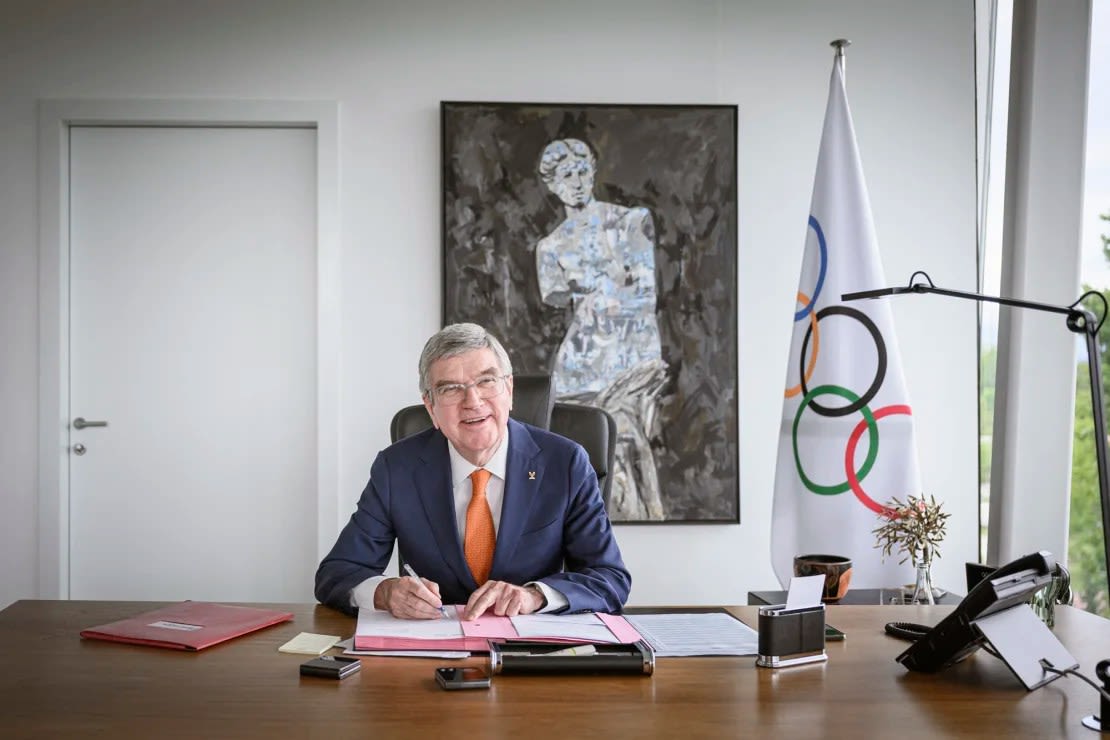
{"points": [[915, 527]]}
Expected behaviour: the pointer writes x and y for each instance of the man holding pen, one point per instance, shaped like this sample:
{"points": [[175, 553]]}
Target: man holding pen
{"points": [[492, 513]]}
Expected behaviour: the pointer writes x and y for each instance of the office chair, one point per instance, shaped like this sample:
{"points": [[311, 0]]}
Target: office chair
{"points": [[596, 430], [533, 397]]}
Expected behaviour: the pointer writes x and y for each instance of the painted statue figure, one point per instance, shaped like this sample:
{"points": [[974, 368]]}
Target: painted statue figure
{"points": [[600, 261]]}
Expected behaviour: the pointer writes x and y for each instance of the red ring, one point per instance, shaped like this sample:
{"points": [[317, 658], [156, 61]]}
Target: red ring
{"points": [[850, 454]]}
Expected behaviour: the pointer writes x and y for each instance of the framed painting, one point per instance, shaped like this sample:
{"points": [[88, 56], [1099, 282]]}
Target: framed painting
{"points": [[598, 242]]}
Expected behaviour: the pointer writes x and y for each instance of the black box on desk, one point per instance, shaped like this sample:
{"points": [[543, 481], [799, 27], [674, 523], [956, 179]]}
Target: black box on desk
{"points": [[792, 637], [537, 657]]}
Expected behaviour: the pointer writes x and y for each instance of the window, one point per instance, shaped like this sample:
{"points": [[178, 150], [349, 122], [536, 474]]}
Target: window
{"points": [[1086, 556], [992, 197]]}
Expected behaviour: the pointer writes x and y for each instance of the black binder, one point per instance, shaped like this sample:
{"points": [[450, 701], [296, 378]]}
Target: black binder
{"points": [[529, 656]]}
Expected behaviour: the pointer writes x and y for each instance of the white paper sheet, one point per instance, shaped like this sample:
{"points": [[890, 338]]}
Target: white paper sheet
{"points": [[805, 591], [585, 627], [444, 654], [562, 619], [349, 649], [375, 623], [713, 633]]}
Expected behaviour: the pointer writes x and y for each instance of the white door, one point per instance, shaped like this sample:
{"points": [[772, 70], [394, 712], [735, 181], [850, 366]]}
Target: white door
{"points": [[193, 335]]}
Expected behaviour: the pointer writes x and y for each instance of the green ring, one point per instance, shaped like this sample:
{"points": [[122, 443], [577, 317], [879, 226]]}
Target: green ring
{"points": [[872, 432]]}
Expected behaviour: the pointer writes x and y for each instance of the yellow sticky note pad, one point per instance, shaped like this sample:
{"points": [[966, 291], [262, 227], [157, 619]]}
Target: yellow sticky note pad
{"points": [[308, 643]]}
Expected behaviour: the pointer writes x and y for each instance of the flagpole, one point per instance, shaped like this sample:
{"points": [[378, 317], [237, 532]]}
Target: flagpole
{"points": [[840, 45], [819, 506]]}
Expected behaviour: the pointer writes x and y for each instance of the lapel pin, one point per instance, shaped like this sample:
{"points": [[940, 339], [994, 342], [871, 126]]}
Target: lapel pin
{"points": [[531, 475]]}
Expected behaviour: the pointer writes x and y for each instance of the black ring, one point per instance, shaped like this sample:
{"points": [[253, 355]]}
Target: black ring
{"points": [[880, 370]]}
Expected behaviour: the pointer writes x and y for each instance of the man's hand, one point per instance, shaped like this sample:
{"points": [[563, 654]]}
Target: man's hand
{"points": [[506, 599], [409, 598]]}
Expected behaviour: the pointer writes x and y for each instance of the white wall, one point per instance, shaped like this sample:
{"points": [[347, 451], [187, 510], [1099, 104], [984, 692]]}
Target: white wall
{"points": [[910, 82]]}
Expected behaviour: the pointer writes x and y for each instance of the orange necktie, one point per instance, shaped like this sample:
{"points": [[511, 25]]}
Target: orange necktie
{"points": [[480, 537]]}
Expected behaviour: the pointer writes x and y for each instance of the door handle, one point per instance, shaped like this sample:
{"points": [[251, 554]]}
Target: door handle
{"points": [[80, 423]]}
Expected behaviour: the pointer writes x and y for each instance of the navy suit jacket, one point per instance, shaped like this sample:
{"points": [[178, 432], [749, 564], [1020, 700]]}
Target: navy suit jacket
{"points": [[553, 527]]}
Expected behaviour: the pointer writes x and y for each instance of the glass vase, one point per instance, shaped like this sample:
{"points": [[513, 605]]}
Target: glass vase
{"points": [[923, 585], [1044, 601]]}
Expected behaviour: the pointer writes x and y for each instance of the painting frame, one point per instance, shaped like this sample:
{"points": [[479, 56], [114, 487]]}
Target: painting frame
{"points": [[527, 255]]}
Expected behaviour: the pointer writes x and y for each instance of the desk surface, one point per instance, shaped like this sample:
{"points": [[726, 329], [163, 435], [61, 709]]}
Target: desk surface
{"points": [[54, 684]]}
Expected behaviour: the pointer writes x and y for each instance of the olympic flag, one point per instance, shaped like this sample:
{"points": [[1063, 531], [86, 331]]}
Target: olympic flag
{"points": [[846, 445]]}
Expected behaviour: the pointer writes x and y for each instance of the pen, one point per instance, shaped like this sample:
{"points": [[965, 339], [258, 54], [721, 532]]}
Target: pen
{"points": [[412, 574]]}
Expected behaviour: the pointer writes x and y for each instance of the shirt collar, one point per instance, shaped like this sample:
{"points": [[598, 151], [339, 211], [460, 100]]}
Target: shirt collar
{"points": [[461, 468]]}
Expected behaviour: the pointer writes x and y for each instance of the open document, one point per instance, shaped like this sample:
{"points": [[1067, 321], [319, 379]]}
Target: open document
{"points": [[713, 633], [379, 630]]}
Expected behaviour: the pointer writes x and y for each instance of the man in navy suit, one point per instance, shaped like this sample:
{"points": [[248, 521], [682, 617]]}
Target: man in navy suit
{"points": [[554, 550]]}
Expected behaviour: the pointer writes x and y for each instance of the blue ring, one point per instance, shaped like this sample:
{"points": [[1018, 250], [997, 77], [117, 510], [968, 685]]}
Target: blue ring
{"points": [[799, 315]]}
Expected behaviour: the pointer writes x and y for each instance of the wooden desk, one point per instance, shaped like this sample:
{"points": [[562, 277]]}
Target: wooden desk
{"points": [[55, 685]]}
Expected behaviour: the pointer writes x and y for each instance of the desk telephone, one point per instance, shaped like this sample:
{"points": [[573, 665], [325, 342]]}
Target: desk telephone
{"points": [[956, 636]]}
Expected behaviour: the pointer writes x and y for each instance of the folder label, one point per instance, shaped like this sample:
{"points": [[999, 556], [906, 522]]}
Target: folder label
{"points": [[176, 626]]}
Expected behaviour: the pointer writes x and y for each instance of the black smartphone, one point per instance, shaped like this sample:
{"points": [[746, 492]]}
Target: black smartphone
{"points": [[330, 666], [462, 678], [832, 634]]}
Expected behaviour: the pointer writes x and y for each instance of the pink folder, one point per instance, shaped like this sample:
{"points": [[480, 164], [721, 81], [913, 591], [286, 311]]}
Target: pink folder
{"points": [[190, 625], [478, 632]]}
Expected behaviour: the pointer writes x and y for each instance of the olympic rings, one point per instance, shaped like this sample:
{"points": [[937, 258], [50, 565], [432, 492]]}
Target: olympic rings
{"points": [[880, 369], [869, 421], [855, 402]]}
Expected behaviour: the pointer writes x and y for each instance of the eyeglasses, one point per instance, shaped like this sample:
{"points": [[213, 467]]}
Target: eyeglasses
{"points": [[487, 386]]}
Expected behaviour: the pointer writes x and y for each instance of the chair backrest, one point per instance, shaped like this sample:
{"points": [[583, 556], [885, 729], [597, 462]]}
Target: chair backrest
{"points": [[533, 398], [593, 428]]}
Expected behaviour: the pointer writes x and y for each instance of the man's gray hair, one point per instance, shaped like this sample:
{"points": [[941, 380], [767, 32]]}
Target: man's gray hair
{"points": [[457, 339]]}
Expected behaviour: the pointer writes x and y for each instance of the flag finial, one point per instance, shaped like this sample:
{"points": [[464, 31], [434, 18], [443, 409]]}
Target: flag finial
{"points": [[840, 45]]}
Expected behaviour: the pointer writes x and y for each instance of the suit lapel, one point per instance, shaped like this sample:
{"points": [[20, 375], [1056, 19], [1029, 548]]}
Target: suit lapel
{"points": [[522, 484]]}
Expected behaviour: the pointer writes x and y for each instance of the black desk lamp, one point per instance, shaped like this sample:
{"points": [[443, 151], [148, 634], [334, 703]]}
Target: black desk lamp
{"points": [[1080, 321]]}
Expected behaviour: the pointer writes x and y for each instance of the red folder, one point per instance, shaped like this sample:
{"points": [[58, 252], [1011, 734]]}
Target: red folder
{"points": [[190, 625]]}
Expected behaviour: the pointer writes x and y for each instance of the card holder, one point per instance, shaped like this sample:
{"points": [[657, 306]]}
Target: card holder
{"points": [[793, 637]]}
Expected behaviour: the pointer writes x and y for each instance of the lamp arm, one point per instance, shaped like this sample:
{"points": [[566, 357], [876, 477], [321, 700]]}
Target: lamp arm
{"points": [[1079, 320]]}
